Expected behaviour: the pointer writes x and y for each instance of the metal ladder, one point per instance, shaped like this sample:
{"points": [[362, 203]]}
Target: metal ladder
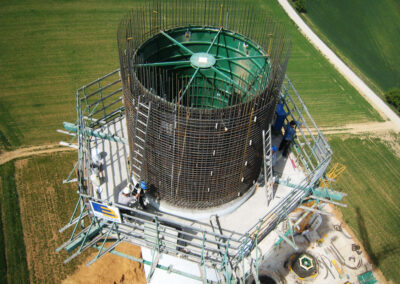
{"points": [[140, 135], [268, 175]]}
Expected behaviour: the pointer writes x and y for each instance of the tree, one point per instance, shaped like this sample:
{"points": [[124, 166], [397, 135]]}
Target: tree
{"points": [[300, 5], [393, 97]]}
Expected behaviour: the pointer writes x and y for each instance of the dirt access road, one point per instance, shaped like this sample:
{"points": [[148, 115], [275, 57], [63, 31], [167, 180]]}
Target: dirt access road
{"points": [[30, 151], [385, 111], [358, 128]]}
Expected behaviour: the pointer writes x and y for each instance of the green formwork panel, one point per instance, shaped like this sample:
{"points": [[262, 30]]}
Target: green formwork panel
{"points": [[367, 278], [239, 61]]}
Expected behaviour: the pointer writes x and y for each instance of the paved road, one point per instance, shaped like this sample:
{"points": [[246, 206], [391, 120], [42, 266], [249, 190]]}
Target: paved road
{"points": [[350, 76]]}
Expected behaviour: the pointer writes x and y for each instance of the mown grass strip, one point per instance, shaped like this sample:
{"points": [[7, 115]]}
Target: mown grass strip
{"points": [[17, 269], [372, 183]]}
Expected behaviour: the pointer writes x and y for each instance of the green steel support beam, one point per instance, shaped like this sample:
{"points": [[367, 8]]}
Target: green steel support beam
{"points": [[104, 242], [315, 210], [318, 193], [168, 63], [177, 42], [240, 58], [80, 217], [284, 237], [328, 193], [68, 179], [222, 46], [88, 131], [228, 78], [215, 38], [327, 200]]}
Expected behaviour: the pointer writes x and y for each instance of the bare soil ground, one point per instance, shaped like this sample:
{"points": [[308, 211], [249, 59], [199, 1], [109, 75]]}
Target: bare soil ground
{"points": [[338, 215], [111, 268]]}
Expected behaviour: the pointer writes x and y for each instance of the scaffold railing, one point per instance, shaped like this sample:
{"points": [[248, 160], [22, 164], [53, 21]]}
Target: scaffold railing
{"points": [[99, 103], [310, 146]]}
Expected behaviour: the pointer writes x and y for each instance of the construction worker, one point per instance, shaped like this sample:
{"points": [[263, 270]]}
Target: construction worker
{"points": [[96, 167], [125, 198], [290, 133]]}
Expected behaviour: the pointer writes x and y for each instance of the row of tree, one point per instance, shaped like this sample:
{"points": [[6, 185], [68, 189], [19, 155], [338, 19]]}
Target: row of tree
{"points": [[300, 5], [393, 97]]}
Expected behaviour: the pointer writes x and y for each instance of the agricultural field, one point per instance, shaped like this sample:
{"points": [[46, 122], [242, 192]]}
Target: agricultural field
{"points": [[34, 206], [37, 206], [46, 205], [12, 249], [365, 33], [371, 181], [49, 49]]}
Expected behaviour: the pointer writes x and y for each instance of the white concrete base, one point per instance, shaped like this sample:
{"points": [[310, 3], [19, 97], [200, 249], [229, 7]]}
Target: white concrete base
{"points": [[165, 277], [201, 214]]}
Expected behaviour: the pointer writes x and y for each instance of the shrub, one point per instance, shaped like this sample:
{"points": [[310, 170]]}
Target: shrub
{"points": [[393, 97], [300, 5]]}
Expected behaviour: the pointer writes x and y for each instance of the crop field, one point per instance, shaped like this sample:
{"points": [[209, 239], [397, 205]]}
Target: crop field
{"points": [[46, 206], [372, 183], [366, 32], [49, 49], [12, 249]]}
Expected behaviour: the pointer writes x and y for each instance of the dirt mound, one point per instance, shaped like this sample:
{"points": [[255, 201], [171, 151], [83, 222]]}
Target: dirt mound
{"points": [[111, 268]]}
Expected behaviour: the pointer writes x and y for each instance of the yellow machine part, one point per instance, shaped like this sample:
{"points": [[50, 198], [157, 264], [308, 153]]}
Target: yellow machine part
{"points": [[332, 175], [338, 269]]}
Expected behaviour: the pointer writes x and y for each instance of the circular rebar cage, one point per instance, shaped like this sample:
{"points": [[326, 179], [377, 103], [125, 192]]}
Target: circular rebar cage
{"points": [[211, 76]]}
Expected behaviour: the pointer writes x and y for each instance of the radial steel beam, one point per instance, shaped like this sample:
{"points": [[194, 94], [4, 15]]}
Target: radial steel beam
{"points": [[177, 42]]}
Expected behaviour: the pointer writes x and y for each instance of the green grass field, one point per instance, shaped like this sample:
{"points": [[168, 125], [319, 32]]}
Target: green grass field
{"points": [[49, 49], [366, 32], [46, 206], [13, 243], [372, 183]]}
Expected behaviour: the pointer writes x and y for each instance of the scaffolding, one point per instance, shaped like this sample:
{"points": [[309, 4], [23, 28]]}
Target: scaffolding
{"points": [[186, 126], [213, 78], [228, 252]]}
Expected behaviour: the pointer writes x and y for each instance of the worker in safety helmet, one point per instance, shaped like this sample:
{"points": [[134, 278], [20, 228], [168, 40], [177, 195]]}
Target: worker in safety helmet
{"points": [[290, 133], [125, 197]]}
